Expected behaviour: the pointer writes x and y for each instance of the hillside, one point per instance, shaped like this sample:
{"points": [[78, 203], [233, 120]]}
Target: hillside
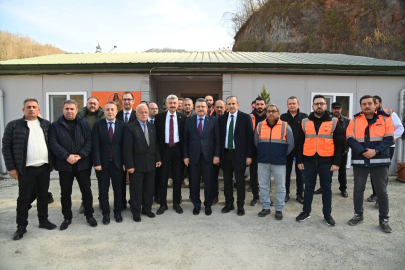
{"points": [[374, 28], [13, 46]]}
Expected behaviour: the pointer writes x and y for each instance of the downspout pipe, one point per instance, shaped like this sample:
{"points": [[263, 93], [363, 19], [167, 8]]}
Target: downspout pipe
{"points": [[2, 119], [400, 143]]}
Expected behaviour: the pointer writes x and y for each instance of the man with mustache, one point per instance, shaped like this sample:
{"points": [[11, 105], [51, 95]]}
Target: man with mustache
{"points": [[319, 152], [219, 110], [370, 134], [170, 134]]}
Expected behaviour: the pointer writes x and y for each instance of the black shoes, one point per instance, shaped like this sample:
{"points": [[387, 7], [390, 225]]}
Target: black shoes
{"points": [[106, 219], [148, 214], [300, 198], [357, 219], [47, 225], [241, 211], [162, 209], [65, 224], [20, 232], [385, 227], [318, 191], [264, 212], [178, 208], [118, 217], [228, 208], [81, 209], [50, 198], [157, 199], [208, 210], [287, 197], [196, 210], [344, 194], [137, 219], [254, 201], [216, 200], [329, 220], [279, 215], [372, 198], [303, 216], [92, 221]]}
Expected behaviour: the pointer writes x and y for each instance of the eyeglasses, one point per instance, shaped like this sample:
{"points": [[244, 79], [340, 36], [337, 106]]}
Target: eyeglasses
{"points": [[319, 104], [127, 99], [272, 111]]}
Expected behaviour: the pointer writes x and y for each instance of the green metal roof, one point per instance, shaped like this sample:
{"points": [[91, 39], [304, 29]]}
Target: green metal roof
{"points": [[204, 62]]}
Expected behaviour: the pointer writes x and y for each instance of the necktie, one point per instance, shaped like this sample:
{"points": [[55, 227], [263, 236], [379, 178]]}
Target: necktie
{"points": [[200, 130], [171, 131], [126, 118], [230, 134], [152, 121], [145, 132], [111, 134]]}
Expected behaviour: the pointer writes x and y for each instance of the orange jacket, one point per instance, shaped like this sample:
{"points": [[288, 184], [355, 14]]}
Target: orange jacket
{"points": [[378, 133], [321, 143]]}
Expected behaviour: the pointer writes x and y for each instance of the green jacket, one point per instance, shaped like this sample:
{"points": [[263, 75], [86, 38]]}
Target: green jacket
{"points": [[83, 112]]}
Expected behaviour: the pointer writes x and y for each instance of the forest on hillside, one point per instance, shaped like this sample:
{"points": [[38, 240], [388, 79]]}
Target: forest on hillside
{"points": [[16, 46]]}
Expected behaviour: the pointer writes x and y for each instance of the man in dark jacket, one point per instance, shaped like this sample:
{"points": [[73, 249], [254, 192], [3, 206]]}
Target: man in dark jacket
{"points": [[28, 160], [319, 152], [70, 141], [294, 118], [257, 116], [344, 123]]}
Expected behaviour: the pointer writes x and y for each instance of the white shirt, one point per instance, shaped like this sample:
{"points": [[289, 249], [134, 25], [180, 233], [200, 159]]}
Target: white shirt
{"points": [[150, 119], [37, 151], [227, 128], [398, 127], [175, 127], [127, 112]]}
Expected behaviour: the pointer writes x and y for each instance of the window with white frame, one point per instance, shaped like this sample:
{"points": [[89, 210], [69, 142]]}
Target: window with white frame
{"points": [[54, 102]]}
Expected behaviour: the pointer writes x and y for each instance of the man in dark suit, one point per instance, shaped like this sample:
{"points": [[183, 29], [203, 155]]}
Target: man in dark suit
{"points": [[170, 132], [236, 152], [108, 161], [127, 115], [141, 157], [201, 153], [219, 106]]}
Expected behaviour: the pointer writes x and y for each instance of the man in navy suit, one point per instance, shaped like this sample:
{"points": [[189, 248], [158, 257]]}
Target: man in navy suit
{"points": [[201, 152], [141, 157], [108, 135], [236, 152]]}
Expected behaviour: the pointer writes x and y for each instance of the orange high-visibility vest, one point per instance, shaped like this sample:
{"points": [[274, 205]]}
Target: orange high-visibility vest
{"points": [[388, 111], [377, 131], [252, 116], [321, 143], [272, 143]]}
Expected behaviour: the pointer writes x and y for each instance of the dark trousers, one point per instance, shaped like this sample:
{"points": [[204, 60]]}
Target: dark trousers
{"points": [[298, 176], [157, 182], [392, 149], [141, 188], [66, 183], [379, 175], [205, 169], [325, 178], [124, 188], [103, 177], [34, 180], [171, 159], [254, 183], [215, 184], [342, 174], [229, 168]]}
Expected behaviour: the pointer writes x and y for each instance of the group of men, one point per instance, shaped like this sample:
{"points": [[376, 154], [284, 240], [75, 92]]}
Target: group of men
{"points": [[196, 140]]}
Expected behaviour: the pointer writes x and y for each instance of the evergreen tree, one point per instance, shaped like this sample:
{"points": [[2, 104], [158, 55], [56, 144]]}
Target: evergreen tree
{"points": [[264, 94]]}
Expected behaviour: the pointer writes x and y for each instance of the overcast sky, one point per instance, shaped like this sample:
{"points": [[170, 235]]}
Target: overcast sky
{"points": [[134, 26]]}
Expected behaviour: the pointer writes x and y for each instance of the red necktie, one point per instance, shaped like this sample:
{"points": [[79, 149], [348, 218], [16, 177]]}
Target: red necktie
{"points": [[111, 133], [200, 127], [171, 131]]}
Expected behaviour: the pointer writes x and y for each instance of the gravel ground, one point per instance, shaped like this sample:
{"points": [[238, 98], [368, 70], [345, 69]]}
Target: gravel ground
{"points": [[219, 241]]}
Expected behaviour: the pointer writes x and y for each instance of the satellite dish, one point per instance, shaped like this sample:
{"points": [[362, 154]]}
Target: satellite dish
{"points": [[98, 48]]}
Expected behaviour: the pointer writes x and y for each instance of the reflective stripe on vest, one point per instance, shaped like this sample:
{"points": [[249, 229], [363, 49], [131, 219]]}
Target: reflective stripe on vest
{"points": [[376, 130], [274, 135], [321, 143], [252, 116]]}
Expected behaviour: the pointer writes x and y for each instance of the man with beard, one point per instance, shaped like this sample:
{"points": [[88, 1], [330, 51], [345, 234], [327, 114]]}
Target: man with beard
{"points": [[153, 111], [127, 115], [219, 110], [257, 116], [370, 134], [319, 152], [294, 118], [92, 112], [210, 103], [188, 111], [344, 122], [398, 130]]}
